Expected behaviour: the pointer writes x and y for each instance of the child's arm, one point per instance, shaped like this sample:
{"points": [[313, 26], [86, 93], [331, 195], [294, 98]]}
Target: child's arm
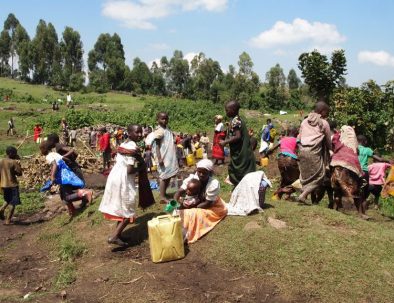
{"points": [[204, 204], [179, 193], [18, 168], [53, 171], [159, 158], [380, 159], [237, 137]]}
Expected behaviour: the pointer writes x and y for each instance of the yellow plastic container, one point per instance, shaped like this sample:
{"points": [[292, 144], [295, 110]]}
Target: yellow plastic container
{"points": [[165, 239], [154, 168], [190, 161], [264, 162], [199, 153]]}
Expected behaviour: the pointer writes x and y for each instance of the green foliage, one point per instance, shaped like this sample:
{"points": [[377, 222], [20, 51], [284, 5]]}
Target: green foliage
{"points": [[32, 202], [369, 110], [386, 206], [321, 75]]}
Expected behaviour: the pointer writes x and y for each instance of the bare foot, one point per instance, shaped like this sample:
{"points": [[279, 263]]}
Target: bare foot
{"points": [[116, 241]]}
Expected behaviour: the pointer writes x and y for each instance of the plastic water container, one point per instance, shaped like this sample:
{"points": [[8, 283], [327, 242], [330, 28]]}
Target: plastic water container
{"points": [[190, 161], [264, 162], [199, 153], [165, 238]]}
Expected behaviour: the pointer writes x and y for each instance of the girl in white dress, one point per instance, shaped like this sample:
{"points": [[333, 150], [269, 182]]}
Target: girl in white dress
{"points": [[120, 193]]}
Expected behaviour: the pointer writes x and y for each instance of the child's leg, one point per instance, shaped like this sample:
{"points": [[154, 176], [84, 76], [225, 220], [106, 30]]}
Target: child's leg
{"points": [[163, 189], [115, 238], [2, 210], [10, 214]]}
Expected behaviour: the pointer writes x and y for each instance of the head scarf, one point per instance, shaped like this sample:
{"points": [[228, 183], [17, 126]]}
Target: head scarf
{"points": [[219, 117], [206, 164]]}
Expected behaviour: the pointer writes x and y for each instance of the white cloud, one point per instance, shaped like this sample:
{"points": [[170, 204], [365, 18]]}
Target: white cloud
{"points": [[140, 13], [157, 60], [159, 46], [190, 56], [380, 58], [298, 31]]}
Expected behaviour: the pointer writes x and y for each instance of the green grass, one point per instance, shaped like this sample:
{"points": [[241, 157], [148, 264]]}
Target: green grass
{"points": [[386, 206], [322, 255]]}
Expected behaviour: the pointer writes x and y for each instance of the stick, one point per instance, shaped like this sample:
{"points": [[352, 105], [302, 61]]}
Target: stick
{"points": [[132, 281], [88, 148]]}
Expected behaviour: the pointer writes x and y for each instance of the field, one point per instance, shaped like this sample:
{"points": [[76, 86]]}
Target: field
{"points": [[320, 256]]}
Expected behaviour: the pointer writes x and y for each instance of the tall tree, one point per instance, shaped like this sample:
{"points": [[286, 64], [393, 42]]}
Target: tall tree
{"points": [[5, 45], [108, 56], [158, 86], [292, 80], [178, 74], [321, 75], [140, 76], [276, 95], [72, 57], [22, 42], [10, 25]]}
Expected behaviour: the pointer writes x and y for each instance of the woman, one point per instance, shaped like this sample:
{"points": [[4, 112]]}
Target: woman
{"points": [[249, 195], [220, 134], [210, 211]]}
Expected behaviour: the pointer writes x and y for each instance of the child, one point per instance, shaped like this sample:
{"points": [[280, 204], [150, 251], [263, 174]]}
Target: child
{"points": [[118, 201], [204, 140], [376, 171], [105, 147], [253, 141], [10, 168], [266, 138], [287, 162], [165, 153], [192, 198], [148, 158], [68, 193], [220, 134], [37, 130], [242, 156], [364, 153], [73, 137]]}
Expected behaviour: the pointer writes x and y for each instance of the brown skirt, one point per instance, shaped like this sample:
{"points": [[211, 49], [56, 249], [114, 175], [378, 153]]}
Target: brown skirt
{"points": [[289, 171], [345, 182]]}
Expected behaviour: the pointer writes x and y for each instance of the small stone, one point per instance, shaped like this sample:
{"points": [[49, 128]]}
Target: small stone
{"points": [[275, 223], [252, 225], [63, 294]]}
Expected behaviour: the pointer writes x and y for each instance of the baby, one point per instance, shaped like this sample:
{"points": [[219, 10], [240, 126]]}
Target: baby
{"points": [[192, 198]]}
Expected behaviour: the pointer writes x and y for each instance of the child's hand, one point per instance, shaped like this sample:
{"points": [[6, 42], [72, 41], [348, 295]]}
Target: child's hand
{"points": [[222, 143]]}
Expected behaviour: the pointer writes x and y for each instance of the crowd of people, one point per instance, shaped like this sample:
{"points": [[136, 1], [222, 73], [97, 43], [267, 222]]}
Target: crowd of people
{"points": [[314, 157]]}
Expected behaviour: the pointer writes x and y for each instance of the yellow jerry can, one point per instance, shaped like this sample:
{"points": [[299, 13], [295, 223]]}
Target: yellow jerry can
{"points": [[190, 161], [165, 238], [264, 162], [199, 153]]}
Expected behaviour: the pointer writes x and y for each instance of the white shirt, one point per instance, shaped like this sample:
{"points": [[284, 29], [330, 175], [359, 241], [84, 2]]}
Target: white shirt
{"points": [[219, 127]]}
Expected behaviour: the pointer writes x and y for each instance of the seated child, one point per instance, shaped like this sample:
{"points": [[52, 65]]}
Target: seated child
{"points": [[192, 198]]}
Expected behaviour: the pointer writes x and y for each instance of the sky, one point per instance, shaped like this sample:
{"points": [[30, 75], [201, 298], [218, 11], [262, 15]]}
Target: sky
{"points": [[270, 31]]}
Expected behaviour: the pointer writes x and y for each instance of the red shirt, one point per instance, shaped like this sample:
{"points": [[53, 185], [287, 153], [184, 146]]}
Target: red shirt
{"points": [[37, 132], [104, 142]]}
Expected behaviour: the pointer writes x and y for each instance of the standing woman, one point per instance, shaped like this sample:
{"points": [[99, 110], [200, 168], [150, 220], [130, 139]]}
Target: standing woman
{"points": [[220, 134], [242, 156]]}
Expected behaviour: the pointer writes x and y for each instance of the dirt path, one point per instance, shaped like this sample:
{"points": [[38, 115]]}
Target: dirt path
{"points": [[108, 274]]}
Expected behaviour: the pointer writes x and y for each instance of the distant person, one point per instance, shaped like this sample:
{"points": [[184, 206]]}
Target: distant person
{"points": [[73, 137], [220, 135], [204, 140], [92, 137], [11, 127], [55, 106], [377, 172], [242, 157], [65, 131], [37, 131], [69, 100], [105, 147], [10, 168], [266, 139], [165, 153]]}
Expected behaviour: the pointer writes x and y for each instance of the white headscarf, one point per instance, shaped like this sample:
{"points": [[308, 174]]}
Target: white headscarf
{"points": [[206, 164]]}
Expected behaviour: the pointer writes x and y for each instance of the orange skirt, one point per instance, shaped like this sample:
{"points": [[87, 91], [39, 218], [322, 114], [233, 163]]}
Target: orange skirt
{"points": [[118, 219]]}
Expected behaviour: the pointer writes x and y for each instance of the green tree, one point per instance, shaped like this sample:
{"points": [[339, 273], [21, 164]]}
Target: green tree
{"points": [[276, 94], [158, 86], [46, 55], [141, 77], [5, 45], [178, 74], [108, 56], [10, 25], [22, 43], [322, 76], [72, 58], [293, 81]]}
